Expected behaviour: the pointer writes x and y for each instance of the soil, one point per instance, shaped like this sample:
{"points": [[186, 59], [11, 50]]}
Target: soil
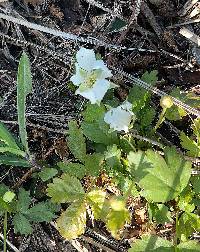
{"points": [[53, 102]]}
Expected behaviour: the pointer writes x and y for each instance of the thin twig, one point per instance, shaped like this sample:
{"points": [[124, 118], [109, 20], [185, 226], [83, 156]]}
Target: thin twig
{"points": [[9, 244], [187, 6]]}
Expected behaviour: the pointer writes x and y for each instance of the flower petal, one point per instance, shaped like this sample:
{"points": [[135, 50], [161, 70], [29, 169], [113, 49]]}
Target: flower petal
{"points": [[86, 59], [127, 106], [105, 73], [97, 92], [77, 78], [119, 118]]}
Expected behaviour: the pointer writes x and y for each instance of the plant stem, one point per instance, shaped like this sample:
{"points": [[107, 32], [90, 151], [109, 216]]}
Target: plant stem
{"points": [[5, 230]]}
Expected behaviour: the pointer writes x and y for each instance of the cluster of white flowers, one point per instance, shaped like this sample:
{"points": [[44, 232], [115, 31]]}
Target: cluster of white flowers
{"points": [[91, 78]]}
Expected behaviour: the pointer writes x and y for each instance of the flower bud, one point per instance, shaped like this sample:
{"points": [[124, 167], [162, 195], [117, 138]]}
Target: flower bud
{"points": [[166, 102]]}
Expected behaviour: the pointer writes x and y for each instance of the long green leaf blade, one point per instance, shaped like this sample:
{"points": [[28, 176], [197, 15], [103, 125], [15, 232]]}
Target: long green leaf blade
{"points": [[6, 137], [24, 87]]}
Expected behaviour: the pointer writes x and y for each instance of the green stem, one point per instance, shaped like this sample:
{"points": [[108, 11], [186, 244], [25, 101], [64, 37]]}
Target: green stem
{"points": [[161, 119], [5, 230]]}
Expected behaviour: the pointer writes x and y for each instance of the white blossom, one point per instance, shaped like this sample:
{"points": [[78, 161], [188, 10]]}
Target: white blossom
{"points": [[119, 118], [91, 76]]}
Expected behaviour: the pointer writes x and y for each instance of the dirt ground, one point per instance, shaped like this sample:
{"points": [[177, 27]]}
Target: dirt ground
{"points": [[148, 27]]}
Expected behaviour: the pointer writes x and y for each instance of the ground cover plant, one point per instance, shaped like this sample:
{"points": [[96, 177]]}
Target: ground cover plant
{"points": [[115, 170]]}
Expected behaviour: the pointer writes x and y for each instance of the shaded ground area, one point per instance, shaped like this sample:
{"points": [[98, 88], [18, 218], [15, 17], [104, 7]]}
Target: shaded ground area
{"points": [[148, 28]]}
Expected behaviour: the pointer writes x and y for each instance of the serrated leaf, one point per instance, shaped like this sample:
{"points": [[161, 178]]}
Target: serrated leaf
{"points": [[187, 224], [3, 189], [98, 203], [6, 137], [93, 164], [150, 77], [72, 222], [160, 180], [74, 169], [196, 184], [160, 213], [47, 173], [190, 145], [151, 243], [13, 160], [93, 113], [39, 213], [65, 189], [117, 217], [113, 156], [22, 224], [94, 127], [138, 96], [189, 246], [76, 141], [24, 200], [24, 87]]}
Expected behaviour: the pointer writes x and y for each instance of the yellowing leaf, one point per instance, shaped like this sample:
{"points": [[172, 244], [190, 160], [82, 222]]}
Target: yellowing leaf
{"points": [[65, 189], [97, 201], [116, 221], [118, 216], [72, 222]]}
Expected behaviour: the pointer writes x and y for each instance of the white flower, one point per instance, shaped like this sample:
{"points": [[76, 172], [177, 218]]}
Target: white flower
{"points": [[120, 118], [91, 76]]}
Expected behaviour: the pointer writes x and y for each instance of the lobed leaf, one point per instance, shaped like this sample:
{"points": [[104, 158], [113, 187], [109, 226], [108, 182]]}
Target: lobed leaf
{"points": [[76, 141], [72, 222], [65, 189]]}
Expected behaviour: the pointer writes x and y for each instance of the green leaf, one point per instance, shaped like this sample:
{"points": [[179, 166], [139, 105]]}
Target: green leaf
{"points": [[47, 173], [138, 96], [176, 113], [13, 160], [39, 213], [73, 169], [93, 164], [98, 203], [72, 222], [151, 243], [94, 127], [113, 156], [13, 151], [117, 24], [150, 77], [24, 87], [6, 137], [65, 189], [185, 200], [189, 246], [160, 213], [22, 224], [196, 184], [76, 141], [190, 145], [117, 217], [3, 189], [24, 200], [187, 224], [160, 180], [8, 196]]}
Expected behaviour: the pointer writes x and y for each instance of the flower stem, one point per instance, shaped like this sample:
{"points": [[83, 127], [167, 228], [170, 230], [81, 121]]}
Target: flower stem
{"points": [[161, 119]]}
